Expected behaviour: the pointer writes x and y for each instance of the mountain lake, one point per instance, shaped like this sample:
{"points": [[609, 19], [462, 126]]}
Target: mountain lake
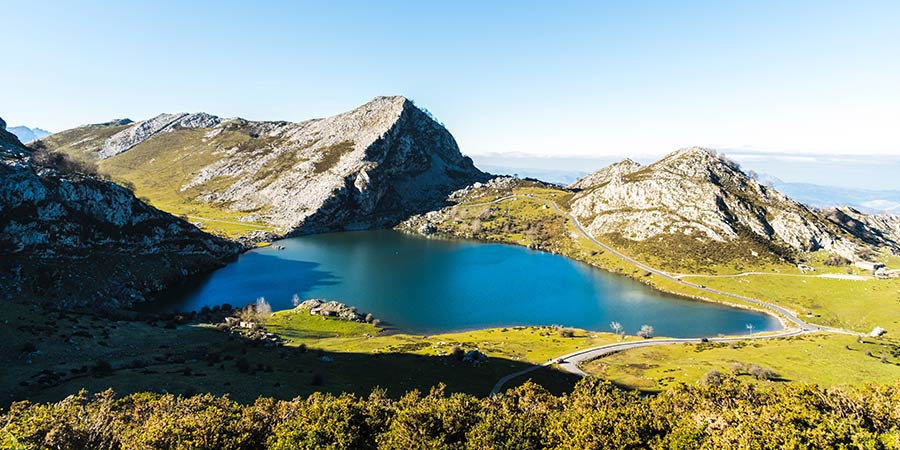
{"points": [[427, 286]]}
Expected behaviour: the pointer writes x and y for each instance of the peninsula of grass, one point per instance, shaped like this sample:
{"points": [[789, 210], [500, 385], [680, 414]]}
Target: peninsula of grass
{"points": [[530, 344]]}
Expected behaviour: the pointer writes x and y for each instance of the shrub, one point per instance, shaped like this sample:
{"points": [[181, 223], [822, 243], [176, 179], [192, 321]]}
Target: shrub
{"points": [[761, 373], [102, 367], [645, 332], [712, 378], [457, 352], [566, 332], [594, 415], [836, 260], [61, 162], [242, 365]]}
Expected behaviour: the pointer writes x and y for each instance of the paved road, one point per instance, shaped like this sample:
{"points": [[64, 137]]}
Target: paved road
{"points": [[570, 363]]}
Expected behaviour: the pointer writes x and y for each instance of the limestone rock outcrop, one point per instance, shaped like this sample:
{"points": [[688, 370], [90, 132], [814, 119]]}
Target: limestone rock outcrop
{"points": [[366, 168], [698, 193], [82, 241]]}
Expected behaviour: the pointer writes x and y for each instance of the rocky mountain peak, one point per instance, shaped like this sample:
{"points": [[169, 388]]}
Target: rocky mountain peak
{"points": [[697, 162], [370, 166], [700, 193], [607, 174], [2, 124]]}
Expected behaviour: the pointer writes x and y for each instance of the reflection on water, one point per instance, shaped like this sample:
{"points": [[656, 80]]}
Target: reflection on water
{"points": [[429, 285]]}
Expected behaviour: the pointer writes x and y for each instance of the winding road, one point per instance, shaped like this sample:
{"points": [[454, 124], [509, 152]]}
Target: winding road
{"points": [[570, 362]]}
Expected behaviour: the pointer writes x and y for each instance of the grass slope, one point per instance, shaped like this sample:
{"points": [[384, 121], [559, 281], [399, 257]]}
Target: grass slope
{"points": [[49, 355], [160, 169], [828, 360]]}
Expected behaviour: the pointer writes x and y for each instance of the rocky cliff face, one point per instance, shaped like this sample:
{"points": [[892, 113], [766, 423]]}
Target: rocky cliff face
{"points": [[369, 167], [882, 230], [696, 193], [78, 240]]}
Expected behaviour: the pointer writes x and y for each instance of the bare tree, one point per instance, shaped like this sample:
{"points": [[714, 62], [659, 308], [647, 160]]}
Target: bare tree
{"points": [[617, 328], [646, 331], [263, 309]]}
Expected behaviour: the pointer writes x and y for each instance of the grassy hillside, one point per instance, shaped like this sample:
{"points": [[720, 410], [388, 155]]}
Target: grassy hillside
{"points": [[160, 169], [54, 354], [853, 304], [83, 142], [826, 360]]}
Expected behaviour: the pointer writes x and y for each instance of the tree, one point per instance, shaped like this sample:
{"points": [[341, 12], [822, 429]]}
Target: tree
{"points": [[646, 331], [617, 328], [263, 309]]}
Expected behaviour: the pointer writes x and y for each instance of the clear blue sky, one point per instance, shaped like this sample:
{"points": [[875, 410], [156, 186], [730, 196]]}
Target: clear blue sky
{"points": [[587, 78]]}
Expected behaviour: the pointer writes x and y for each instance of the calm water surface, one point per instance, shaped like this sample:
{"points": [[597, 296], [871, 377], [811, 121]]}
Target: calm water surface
{"points": [[428, 286]]}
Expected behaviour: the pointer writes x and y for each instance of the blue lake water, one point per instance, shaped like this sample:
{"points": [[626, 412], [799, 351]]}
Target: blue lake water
{"points": [[427, 286]]}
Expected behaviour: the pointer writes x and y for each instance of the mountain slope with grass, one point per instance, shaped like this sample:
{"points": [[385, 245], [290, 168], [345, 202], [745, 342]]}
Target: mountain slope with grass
{"points": [[73, 238], [370, 167], [696, 208]]}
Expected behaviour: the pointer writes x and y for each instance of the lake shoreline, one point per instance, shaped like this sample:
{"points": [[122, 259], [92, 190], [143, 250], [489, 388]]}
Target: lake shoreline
{"points": [[462, 275], [693, 297]]}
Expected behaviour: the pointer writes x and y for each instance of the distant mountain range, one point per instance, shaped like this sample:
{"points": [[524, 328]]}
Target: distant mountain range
{"points": [[818, 196], [26, 134]]}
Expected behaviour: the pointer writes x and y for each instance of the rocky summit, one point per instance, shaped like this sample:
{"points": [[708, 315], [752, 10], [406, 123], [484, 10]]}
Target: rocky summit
{"points": [[702, 195], [79, 240], [366, 168]]}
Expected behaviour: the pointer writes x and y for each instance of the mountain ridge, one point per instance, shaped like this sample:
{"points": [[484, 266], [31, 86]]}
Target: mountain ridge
{"points": [[698, 193], [368, 167]]}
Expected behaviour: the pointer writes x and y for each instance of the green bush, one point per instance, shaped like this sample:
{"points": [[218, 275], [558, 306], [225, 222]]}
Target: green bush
{"points": [[720, 414]]}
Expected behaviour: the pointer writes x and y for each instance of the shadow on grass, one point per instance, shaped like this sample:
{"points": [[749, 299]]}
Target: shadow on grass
{"points": [[138, 356]]}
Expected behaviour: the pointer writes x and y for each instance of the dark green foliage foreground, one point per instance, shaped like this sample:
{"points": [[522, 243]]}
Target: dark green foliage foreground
{"points": [[595, 415]]}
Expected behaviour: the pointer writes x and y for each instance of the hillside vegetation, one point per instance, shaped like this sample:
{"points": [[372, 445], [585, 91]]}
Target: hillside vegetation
{"points": [[727, 414]]}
